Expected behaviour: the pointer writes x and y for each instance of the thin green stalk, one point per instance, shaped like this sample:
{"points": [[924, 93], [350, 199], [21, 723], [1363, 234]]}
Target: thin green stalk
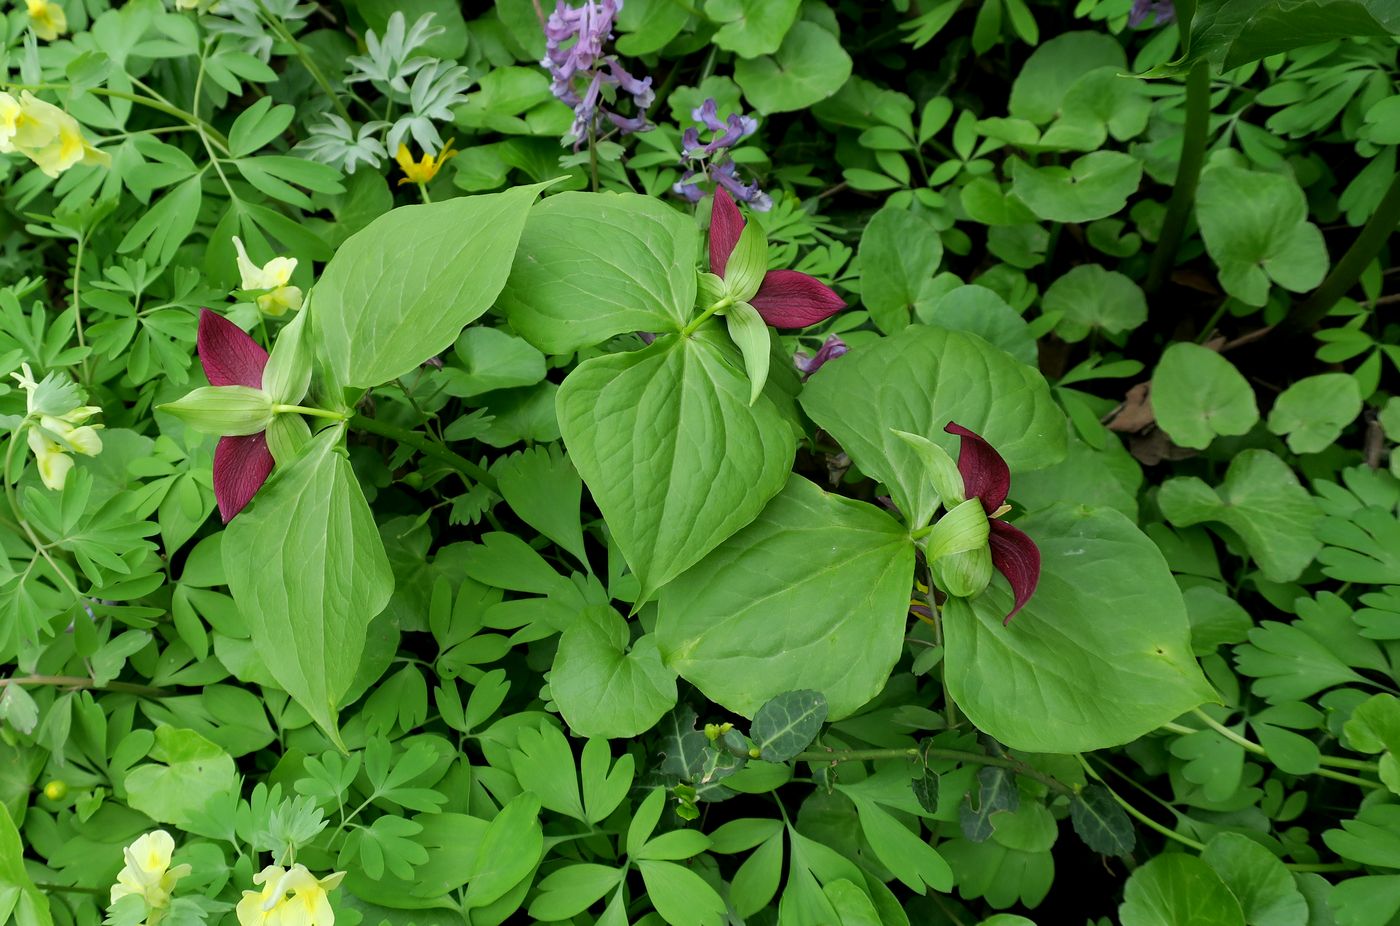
{"points": [[306, 61], [305, 410], [1188, 172], [1138, 815], [952, 755], [423, 445], [78, 681], [1349, 269], [720, 306], [1252, 747]]}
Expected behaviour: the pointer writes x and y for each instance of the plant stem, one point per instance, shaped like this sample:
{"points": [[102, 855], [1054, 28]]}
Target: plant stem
{"points": [[723, 304], [70, 888], [422, 444], [1349, 269], [1188, 172], [311, 67], [1256, 749], [1136, 814], [304, 410], [952, 755], [78, 681]]}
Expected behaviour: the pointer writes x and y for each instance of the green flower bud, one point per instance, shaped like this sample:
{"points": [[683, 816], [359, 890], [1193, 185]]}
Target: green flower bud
{"points": [[748, 264], [56, 790], [965, 574], [224, 410], [960, 530]]}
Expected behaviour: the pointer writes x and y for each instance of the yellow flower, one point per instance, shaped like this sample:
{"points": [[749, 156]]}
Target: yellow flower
{"points": [[53, 437], [47, 19], [9, 121], [426, 169], [148, 870], [273, 277], [290, 897], [50, 137]]}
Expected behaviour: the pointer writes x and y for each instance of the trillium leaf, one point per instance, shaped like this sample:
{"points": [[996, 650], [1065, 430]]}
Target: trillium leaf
{"points": [[919, 380], [401, 290], [307, 567], [671, 450], [1198, 394], [810, 66], [1262, 501], [605, 683], [594, 265], [1093, 187], [812, 595], [1099, 656]]}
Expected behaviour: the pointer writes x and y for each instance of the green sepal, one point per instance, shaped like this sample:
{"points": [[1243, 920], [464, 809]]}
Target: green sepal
{"points": [[287, 376], [747, 265], [286, 435], [942, 471], [709, 289], [229, 411], [963, 575], [749, 332], [963, 529]]}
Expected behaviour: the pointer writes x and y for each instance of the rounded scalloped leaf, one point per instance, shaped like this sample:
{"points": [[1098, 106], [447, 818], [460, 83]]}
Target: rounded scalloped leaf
{"points": [[1198, 395]]}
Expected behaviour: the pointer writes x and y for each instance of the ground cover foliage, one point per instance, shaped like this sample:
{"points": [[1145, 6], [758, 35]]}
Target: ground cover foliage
{"points": [[734, 463]]}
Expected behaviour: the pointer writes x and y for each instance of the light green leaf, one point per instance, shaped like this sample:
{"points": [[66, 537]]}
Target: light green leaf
{"points": [[571, 890], [1055, 66], [915, 863], [810, 66], [594, 265], [919, 380], [1176, 889], [1372, 900], [21, 902], [402, 289], [899, 253], [1095, 186], [1258, 879], [1314, 410], [305, 564], [542, 487], [1089, 297], [980, 311], [1262, 501], [751, 27], [673, 453], [1255, 226], [1098, 657], [489, 359], [188, 773], [510, 851], [1198, 394], [1103, 102], [604, 683], [811, 595], [680, 895]]}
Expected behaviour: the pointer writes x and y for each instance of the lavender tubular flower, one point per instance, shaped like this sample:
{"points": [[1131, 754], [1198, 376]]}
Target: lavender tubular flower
{"points": [[574, 56], [831, 348], [1143, 9], [712, 161]]}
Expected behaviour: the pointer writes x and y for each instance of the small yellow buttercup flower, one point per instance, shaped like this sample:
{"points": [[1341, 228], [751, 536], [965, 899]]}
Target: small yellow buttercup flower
{"points": [[45, 134], [273, 277], [47, 19], [289, 897], [426, 169], [148, 872]]}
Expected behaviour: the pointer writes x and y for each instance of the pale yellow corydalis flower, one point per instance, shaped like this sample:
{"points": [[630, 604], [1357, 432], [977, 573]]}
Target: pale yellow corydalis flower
{"points": [[273, 277], [45, 134], [47, 19], [148, 873], [52, 437], [289, 897]]}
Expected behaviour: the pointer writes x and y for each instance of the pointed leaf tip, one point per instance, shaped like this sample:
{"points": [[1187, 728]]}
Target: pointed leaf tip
{"points": [[1015, 555], [229, 356], [789, 299], [985, 474]]}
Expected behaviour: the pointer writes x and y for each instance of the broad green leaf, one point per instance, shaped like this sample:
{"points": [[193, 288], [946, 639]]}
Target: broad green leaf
{"points": [[1100, 103], [489, 359], [1314, 410], [980, 311], [899, 253], [787, 724], [1255, 226], [594, 265], [680, 895], [21, 902], [1176, 889], [1262, 501], [1055, 66], [1099, 656], [1198, 394], [1101, 823], [1109, 478], [1229, 33], [1090, 298], [646, 26], [571, 890], [542, 487], [671, 450], [917, 381], [1372, 838], [307, 567], [604, 683], [543, 764], [1372, 900], [812, 595], [810, 66], [1262, 885], [402, 289], [189, 771], [1094, 186], [751, 27], [915, 863], [510, 852]]}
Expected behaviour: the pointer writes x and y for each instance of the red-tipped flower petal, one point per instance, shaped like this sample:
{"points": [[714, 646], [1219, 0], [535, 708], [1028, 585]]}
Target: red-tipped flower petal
{"points": [[229, 356], [985, 474], [788, 299], [1018, 558], [241, 466], [726, 225]]}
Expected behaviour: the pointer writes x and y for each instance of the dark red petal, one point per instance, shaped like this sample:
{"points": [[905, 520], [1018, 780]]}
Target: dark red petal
{"points": [[788, 299], [241, 466], [985, 474], [229, 356], [726, 225], [1018, 558]]}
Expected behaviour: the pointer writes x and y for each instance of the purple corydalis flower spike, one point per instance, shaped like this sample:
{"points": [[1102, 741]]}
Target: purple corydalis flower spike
{"points": [[241, 463], [831, 348], [574, 39], [987, 478], [1143, 9]]}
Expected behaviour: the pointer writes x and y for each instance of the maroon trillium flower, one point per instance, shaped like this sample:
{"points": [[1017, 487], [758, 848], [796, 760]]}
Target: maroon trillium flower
{"points": [[786, 299], [987, 477], [231, 358]]}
